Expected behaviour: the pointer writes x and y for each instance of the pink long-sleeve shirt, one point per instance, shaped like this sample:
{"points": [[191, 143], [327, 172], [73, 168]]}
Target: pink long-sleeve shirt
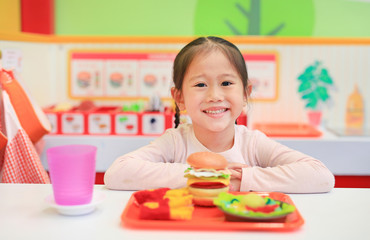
{"points": [[272, 166]]}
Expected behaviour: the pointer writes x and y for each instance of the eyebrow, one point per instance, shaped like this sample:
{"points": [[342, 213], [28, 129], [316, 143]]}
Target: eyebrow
{"points": [[193, 78], [228, 75]]}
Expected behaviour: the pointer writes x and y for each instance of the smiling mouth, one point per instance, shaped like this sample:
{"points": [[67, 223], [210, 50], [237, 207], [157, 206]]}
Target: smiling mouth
{"points": [[216, 111]]}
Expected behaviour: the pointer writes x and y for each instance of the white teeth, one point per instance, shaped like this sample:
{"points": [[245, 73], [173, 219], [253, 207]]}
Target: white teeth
{"points": [[215, 111]]}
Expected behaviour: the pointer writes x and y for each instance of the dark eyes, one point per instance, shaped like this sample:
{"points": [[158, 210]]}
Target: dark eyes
{"points": [[200, 85], [224, 83]]}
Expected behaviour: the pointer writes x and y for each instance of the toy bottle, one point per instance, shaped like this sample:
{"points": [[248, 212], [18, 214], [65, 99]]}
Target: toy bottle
{"points": [[355, 113]]}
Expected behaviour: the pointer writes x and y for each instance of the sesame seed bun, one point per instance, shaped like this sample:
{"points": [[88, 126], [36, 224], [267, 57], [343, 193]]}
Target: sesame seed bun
{"points": [[207, 160]]}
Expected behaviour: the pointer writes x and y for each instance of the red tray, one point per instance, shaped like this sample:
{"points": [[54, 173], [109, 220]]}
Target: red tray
{"points": [[205, 218], [287, 129]]}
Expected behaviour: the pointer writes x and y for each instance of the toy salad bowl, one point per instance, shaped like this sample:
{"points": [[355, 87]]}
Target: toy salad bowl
{"points": [[252, 207]]}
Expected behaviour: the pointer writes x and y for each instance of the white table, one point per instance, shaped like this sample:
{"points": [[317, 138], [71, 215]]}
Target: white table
{"points": [[24, 214]]}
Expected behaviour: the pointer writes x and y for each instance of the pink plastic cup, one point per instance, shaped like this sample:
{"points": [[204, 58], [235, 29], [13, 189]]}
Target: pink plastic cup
{"points": [[72, 173]]}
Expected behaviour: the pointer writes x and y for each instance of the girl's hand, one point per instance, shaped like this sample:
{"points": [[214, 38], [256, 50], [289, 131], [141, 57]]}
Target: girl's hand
{"points": [[236, 175]]}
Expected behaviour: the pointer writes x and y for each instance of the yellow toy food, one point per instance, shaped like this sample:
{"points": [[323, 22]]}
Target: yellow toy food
{"points": [[253, 200], [165, 204]]}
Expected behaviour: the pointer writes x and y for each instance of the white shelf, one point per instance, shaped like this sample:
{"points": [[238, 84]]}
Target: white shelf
{"points": [[109, 147], [342, 155]]}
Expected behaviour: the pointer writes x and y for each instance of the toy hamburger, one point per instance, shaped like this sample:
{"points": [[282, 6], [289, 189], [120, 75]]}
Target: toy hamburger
{"points": [[208, 176], [116, 79], [150, 80], [83, 79]]}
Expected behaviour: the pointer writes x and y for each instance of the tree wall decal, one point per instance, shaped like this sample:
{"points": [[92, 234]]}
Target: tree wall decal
{"points": [[253, 17]]}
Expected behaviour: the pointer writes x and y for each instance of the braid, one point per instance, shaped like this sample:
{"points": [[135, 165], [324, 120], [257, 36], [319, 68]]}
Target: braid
{"points": [[177, 116]]}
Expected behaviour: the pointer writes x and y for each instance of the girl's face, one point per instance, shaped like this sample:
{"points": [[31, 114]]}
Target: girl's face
{"points": [[212, 93]]}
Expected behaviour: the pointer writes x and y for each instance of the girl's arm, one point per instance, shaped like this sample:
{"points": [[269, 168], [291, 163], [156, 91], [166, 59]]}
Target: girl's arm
{"points": [[149, 167], [236, 175], [279, 168]]}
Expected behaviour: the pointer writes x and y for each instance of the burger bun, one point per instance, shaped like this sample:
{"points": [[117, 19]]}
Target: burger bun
{"points": [[208, 160], [205, 197]]}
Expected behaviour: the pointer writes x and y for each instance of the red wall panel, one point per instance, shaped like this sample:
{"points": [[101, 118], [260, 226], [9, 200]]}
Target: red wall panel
{"points": [[37, 16]]}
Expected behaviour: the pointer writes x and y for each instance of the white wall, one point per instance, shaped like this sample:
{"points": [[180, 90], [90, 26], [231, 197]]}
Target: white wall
{"points": [[44, 75]]}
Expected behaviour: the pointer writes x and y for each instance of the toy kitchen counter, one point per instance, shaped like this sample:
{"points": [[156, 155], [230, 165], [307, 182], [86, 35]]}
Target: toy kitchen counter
{"points": [[342, 155]]}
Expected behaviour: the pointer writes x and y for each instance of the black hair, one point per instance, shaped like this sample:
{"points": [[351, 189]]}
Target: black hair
{"points": [[203, 45]]}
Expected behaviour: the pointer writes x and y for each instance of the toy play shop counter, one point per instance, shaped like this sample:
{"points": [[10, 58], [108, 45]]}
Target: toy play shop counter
{"points": [[26, 213]]}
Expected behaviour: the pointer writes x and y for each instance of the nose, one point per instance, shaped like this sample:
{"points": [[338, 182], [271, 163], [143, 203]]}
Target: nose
{"points": [[215, 94]]}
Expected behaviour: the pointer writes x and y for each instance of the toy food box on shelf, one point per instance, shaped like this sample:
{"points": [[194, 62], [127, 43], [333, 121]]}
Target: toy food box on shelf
{"points": [[111, 120]]}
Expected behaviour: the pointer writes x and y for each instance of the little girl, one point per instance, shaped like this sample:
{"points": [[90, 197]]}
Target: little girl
{"points": [[211, 84]]}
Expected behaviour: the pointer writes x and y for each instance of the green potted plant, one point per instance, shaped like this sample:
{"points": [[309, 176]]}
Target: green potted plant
{"points": [[313, 88]]}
